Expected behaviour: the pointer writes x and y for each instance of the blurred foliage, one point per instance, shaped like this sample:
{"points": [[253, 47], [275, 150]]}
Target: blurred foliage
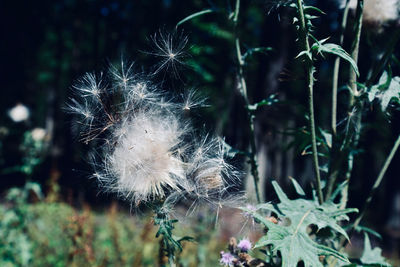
{"points": [[39, 233]]}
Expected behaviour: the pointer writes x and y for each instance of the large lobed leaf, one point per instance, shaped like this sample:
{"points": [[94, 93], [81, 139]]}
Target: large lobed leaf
{"points": [[293, 241]]}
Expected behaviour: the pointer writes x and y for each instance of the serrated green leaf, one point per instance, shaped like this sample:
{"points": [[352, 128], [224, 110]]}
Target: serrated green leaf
{"points": [[293, 240], [337, 50]]}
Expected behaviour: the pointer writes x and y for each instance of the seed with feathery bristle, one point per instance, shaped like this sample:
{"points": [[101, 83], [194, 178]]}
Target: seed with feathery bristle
{"points": [[170, 49]]}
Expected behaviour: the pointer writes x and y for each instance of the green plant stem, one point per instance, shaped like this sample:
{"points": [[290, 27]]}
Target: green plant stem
{"points": [[378, 181], [354, 92], [336, 69], [250, 115], [355, 51], [310, 81], [335, 164]]}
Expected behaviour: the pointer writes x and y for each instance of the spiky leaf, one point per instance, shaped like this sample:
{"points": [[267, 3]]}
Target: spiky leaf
{"points": [[335, 49], [293, 240]]}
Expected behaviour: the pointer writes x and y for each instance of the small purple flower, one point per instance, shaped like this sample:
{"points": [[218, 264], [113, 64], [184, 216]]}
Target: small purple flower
{"points": [[244, 245], [226, 259]]}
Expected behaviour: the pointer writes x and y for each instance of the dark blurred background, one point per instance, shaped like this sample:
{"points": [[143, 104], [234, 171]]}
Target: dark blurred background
{"points": [[46, 45]]}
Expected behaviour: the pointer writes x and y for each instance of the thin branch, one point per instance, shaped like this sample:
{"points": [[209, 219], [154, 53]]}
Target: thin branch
{"points": [[378, 181], [250, 115]]}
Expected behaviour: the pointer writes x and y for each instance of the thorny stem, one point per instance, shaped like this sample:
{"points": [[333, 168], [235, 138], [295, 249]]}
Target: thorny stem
{"points": [[310, 81], [378, 181], [354, 92], [333, 171], [250, 115]]}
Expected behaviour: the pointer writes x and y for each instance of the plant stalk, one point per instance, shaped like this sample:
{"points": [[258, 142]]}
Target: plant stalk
{"points": [[354, 92], [336, 69], [250, 115], [310, 81], [355, 51], [333, 169], [378, 181]]}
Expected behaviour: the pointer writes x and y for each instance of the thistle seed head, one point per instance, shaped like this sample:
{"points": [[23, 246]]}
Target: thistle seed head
{"points": [[377, 12], [148, 150]]}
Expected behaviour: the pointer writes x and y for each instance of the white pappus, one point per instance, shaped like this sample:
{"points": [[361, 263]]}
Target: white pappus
{"points": [[148, 150]]}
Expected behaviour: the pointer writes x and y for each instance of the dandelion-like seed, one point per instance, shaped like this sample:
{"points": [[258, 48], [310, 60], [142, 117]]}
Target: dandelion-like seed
{"points": [[192, 100], [83, 110], [88, 86], [170, 49]]}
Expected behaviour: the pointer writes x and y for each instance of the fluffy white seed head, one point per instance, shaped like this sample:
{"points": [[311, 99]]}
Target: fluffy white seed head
{"points": [[207, 168], [377, 12], [147, 149], [147, 158]]}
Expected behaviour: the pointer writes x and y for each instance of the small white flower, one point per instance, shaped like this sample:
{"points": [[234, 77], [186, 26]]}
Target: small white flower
{"points": [[19, 113], [38, 134]]}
